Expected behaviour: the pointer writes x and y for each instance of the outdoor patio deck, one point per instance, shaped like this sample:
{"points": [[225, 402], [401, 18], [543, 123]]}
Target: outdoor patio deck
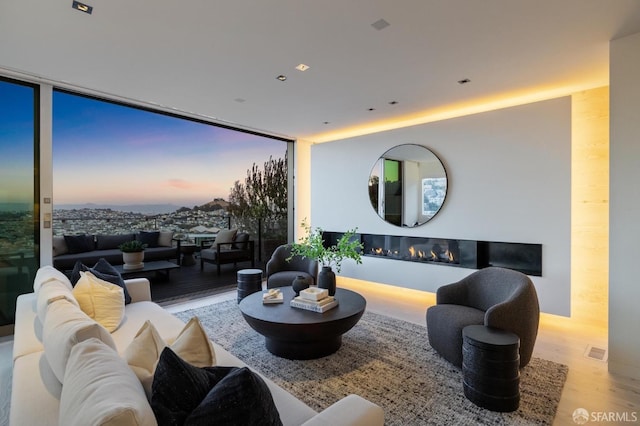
{"points": [[189, 282]]}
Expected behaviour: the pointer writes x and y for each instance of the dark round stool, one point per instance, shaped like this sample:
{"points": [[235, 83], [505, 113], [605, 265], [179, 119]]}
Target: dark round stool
{"points": [[249, 281], [491, 367]]}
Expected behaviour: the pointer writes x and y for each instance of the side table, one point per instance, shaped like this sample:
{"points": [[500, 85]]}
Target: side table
{"points": [[249, 282], [491, 367], [187, 251]]}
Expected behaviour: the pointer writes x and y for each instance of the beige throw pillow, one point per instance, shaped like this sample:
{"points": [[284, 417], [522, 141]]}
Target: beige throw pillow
{"points": [[100, 300], [192, 345], [225, 236], [99, 389]]}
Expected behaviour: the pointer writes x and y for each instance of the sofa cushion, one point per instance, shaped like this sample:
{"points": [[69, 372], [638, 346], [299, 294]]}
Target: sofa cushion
{"points": [[51, 291], [150, 238], [100, 300], [103, 270], [99, 389], [165, 239], [79, 243], [192, 345], [185, 394], [67, 325], [46, 274], [240, 241], [59, 245], [107, 242]]}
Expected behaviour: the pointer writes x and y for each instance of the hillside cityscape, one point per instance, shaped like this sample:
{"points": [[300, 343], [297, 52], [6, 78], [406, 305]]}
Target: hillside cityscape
{"points": [[108, 220]]}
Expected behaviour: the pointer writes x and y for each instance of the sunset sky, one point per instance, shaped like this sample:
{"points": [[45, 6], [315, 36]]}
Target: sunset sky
{"points": [[109, 154]]}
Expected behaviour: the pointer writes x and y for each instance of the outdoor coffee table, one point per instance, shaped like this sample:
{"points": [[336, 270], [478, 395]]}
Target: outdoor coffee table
{"points": [[298, 334], [158, 266]]}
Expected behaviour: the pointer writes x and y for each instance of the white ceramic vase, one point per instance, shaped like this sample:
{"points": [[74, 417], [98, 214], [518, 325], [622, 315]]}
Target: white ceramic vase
{"points": [[133, 260]]}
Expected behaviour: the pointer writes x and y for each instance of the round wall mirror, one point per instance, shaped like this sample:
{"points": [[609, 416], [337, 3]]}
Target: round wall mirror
{"points": [[407, 185]]}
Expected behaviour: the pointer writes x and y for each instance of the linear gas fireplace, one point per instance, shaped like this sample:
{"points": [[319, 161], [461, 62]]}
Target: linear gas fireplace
{"points": [[523, 257]]}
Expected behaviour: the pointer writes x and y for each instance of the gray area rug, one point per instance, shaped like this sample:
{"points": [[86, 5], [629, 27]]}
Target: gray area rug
{"points": [[6, 372], [389, 362]]}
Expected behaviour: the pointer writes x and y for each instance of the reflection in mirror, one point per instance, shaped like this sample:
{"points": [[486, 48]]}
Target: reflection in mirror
{"points": [[407, 185]]}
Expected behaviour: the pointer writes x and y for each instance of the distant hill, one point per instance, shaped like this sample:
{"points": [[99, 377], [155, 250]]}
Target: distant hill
{"points": [[216, 204], [134, 208]]}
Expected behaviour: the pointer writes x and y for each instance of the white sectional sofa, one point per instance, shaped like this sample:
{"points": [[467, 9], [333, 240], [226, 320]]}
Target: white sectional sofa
{"points": [[36, 392]]}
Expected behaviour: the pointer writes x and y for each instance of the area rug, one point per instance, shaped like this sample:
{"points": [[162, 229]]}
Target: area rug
{"points": [[390, 363]]}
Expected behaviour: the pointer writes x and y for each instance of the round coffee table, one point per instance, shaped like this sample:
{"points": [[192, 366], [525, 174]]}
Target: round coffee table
{"points": [[298, 334]]}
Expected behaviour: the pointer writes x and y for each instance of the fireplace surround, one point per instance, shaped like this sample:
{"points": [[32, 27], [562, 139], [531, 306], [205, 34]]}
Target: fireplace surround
{"points": [[452, 252]]}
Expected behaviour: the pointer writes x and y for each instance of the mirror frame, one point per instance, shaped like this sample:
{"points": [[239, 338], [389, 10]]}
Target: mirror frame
{"points": [[405, 168]]}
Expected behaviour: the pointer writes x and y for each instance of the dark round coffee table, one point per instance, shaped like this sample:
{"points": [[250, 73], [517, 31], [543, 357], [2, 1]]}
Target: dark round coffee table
{"points": [[298, 334]]}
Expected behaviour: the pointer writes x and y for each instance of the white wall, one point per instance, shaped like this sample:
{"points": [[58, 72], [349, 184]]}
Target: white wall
{"points": [[509, 180], [624, 228]]}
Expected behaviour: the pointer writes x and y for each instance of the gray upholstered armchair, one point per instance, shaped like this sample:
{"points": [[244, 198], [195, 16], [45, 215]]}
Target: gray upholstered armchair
{"points": [[494, 297], [280, 272]]}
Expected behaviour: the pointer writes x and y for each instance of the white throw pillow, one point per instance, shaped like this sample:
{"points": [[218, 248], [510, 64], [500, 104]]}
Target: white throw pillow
{"points": [[49, 292], [67, 325], [48, 273], [100, 389], [225, 236], [192, 345], [101, 300]]}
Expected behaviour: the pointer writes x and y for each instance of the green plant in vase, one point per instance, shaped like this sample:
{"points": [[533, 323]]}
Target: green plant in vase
{"points": [[312, 246], [132, 254]]}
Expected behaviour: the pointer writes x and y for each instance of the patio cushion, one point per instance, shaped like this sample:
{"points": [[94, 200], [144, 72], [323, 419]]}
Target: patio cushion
{"points": [[150, 238], [107, 242], [79, 243]]}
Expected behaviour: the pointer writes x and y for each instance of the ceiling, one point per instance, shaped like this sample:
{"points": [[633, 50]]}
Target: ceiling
{"points": [[220, 59]]}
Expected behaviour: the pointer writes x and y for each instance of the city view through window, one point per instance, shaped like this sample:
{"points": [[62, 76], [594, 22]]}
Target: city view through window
{"points": [[118, 169]]}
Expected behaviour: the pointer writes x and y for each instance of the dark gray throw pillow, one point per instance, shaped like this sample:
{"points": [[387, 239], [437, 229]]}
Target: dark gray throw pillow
{"points": [[183, 394], [103, 270], [79, 243], [150, 238]]}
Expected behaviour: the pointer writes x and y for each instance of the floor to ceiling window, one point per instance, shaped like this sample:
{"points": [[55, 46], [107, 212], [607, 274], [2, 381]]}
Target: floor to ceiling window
{"points": [[118, 168], [19, 229]]}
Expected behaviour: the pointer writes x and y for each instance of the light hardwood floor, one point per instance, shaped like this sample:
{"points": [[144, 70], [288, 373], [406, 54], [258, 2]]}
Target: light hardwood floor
{"points": [[588, 386]]}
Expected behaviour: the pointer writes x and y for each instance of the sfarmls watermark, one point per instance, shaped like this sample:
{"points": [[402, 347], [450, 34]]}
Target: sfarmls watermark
{"points": [[582, 416]]}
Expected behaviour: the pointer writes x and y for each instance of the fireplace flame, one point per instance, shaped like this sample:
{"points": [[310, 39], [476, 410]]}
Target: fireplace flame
{"points": [[450, 256], [412, 251], [434, 256]]}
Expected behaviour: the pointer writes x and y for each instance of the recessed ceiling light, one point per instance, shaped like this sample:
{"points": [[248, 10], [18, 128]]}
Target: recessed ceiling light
{"points": [[380, 24], [82, 7], [325, 122], [302, 67], [393, 103], [281, 77], [239, 100], [371, 109], [464, 81]]}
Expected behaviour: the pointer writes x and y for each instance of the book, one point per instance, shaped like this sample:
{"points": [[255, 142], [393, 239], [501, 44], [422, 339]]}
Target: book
{"points": [[314, 308], [314, 302]]}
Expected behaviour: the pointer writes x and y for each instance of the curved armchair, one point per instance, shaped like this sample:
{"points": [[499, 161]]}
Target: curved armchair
{"points": [[281, 273], [494, 297]]}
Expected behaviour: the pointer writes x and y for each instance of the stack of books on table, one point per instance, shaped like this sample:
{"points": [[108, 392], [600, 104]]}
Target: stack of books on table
{"points": [[315, 300]]}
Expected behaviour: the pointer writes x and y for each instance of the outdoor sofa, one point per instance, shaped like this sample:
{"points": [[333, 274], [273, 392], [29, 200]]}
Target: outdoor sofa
{"points": [[68, 249]]}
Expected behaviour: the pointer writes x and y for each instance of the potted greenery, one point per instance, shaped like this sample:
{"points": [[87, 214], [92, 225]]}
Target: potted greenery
{"points": [[312, 246], [132, 254]]}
